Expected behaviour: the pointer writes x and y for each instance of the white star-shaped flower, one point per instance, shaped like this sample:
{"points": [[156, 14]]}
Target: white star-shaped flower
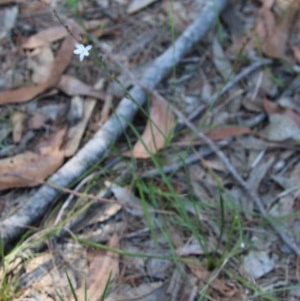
{"points": [[82, 50]]}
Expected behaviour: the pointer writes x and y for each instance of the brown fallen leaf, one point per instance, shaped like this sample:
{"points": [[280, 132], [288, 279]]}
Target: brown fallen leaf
{"points": [[73, 86], [33, 167], [273, 108], [18, 120], [61, 62], [220, 285], [38, 121], [159, 126], [45, 37], [76, 131], [40, 62], [216, 134], [104, 266], [221, 133], [55, 33], [272, 32], [22, 94]]}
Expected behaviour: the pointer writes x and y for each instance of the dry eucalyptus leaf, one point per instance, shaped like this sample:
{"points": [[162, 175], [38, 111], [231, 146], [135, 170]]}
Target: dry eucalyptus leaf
{"points": [[282, 108], [137, 5], [127, 199], [258, 263], [45, 37], [104, 266], [31, 168], [61, 62], [18, 122], [280, 128], [76, 131], [273, 31], [55, 33], [220, 60], [159, 127], [78, 127], [40, 62]]}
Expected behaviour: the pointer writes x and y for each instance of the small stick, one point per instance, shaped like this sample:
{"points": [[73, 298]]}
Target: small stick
{"points": [[245, 72], [236, 176], [167, 169], [243, 184], [98, 147]]}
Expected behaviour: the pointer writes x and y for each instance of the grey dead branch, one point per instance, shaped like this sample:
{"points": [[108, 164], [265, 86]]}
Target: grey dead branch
{"points": [[99, 145]]}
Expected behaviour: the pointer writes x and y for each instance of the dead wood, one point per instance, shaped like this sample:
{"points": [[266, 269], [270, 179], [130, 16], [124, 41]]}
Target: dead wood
{"points": [[12, 227]]}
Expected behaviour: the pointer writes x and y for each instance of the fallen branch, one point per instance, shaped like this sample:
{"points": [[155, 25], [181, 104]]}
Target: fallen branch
{"points": [[12, 227]]}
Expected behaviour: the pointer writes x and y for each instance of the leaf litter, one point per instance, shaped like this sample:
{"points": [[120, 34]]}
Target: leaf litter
{"points": [[157, 132], [49, 102]]}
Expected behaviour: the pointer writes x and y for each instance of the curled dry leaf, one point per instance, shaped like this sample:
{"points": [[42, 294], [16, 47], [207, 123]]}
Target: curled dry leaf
{"points": [[61, 62], [45, 37], [32, 167], [158, 128], [55, 33], [272, 31], [40, 61]]}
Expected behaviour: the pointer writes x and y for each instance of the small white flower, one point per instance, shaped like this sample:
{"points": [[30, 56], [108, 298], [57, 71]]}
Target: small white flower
{"points": [[82, 50]]}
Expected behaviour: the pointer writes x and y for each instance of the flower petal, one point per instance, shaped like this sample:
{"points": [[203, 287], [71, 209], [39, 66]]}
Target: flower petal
{"points": [[77, 51], [79, 46]]}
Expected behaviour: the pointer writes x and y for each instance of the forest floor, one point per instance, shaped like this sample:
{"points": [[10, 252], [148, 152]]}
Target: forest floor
{"points": [[149, 150]]}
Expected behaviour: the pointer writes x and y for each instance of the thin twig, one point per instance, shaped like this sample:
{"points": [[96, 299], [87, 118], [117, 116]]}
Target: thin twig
{"points": [[244, 73], [243, 184], [98, 147], [167, 169]]}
